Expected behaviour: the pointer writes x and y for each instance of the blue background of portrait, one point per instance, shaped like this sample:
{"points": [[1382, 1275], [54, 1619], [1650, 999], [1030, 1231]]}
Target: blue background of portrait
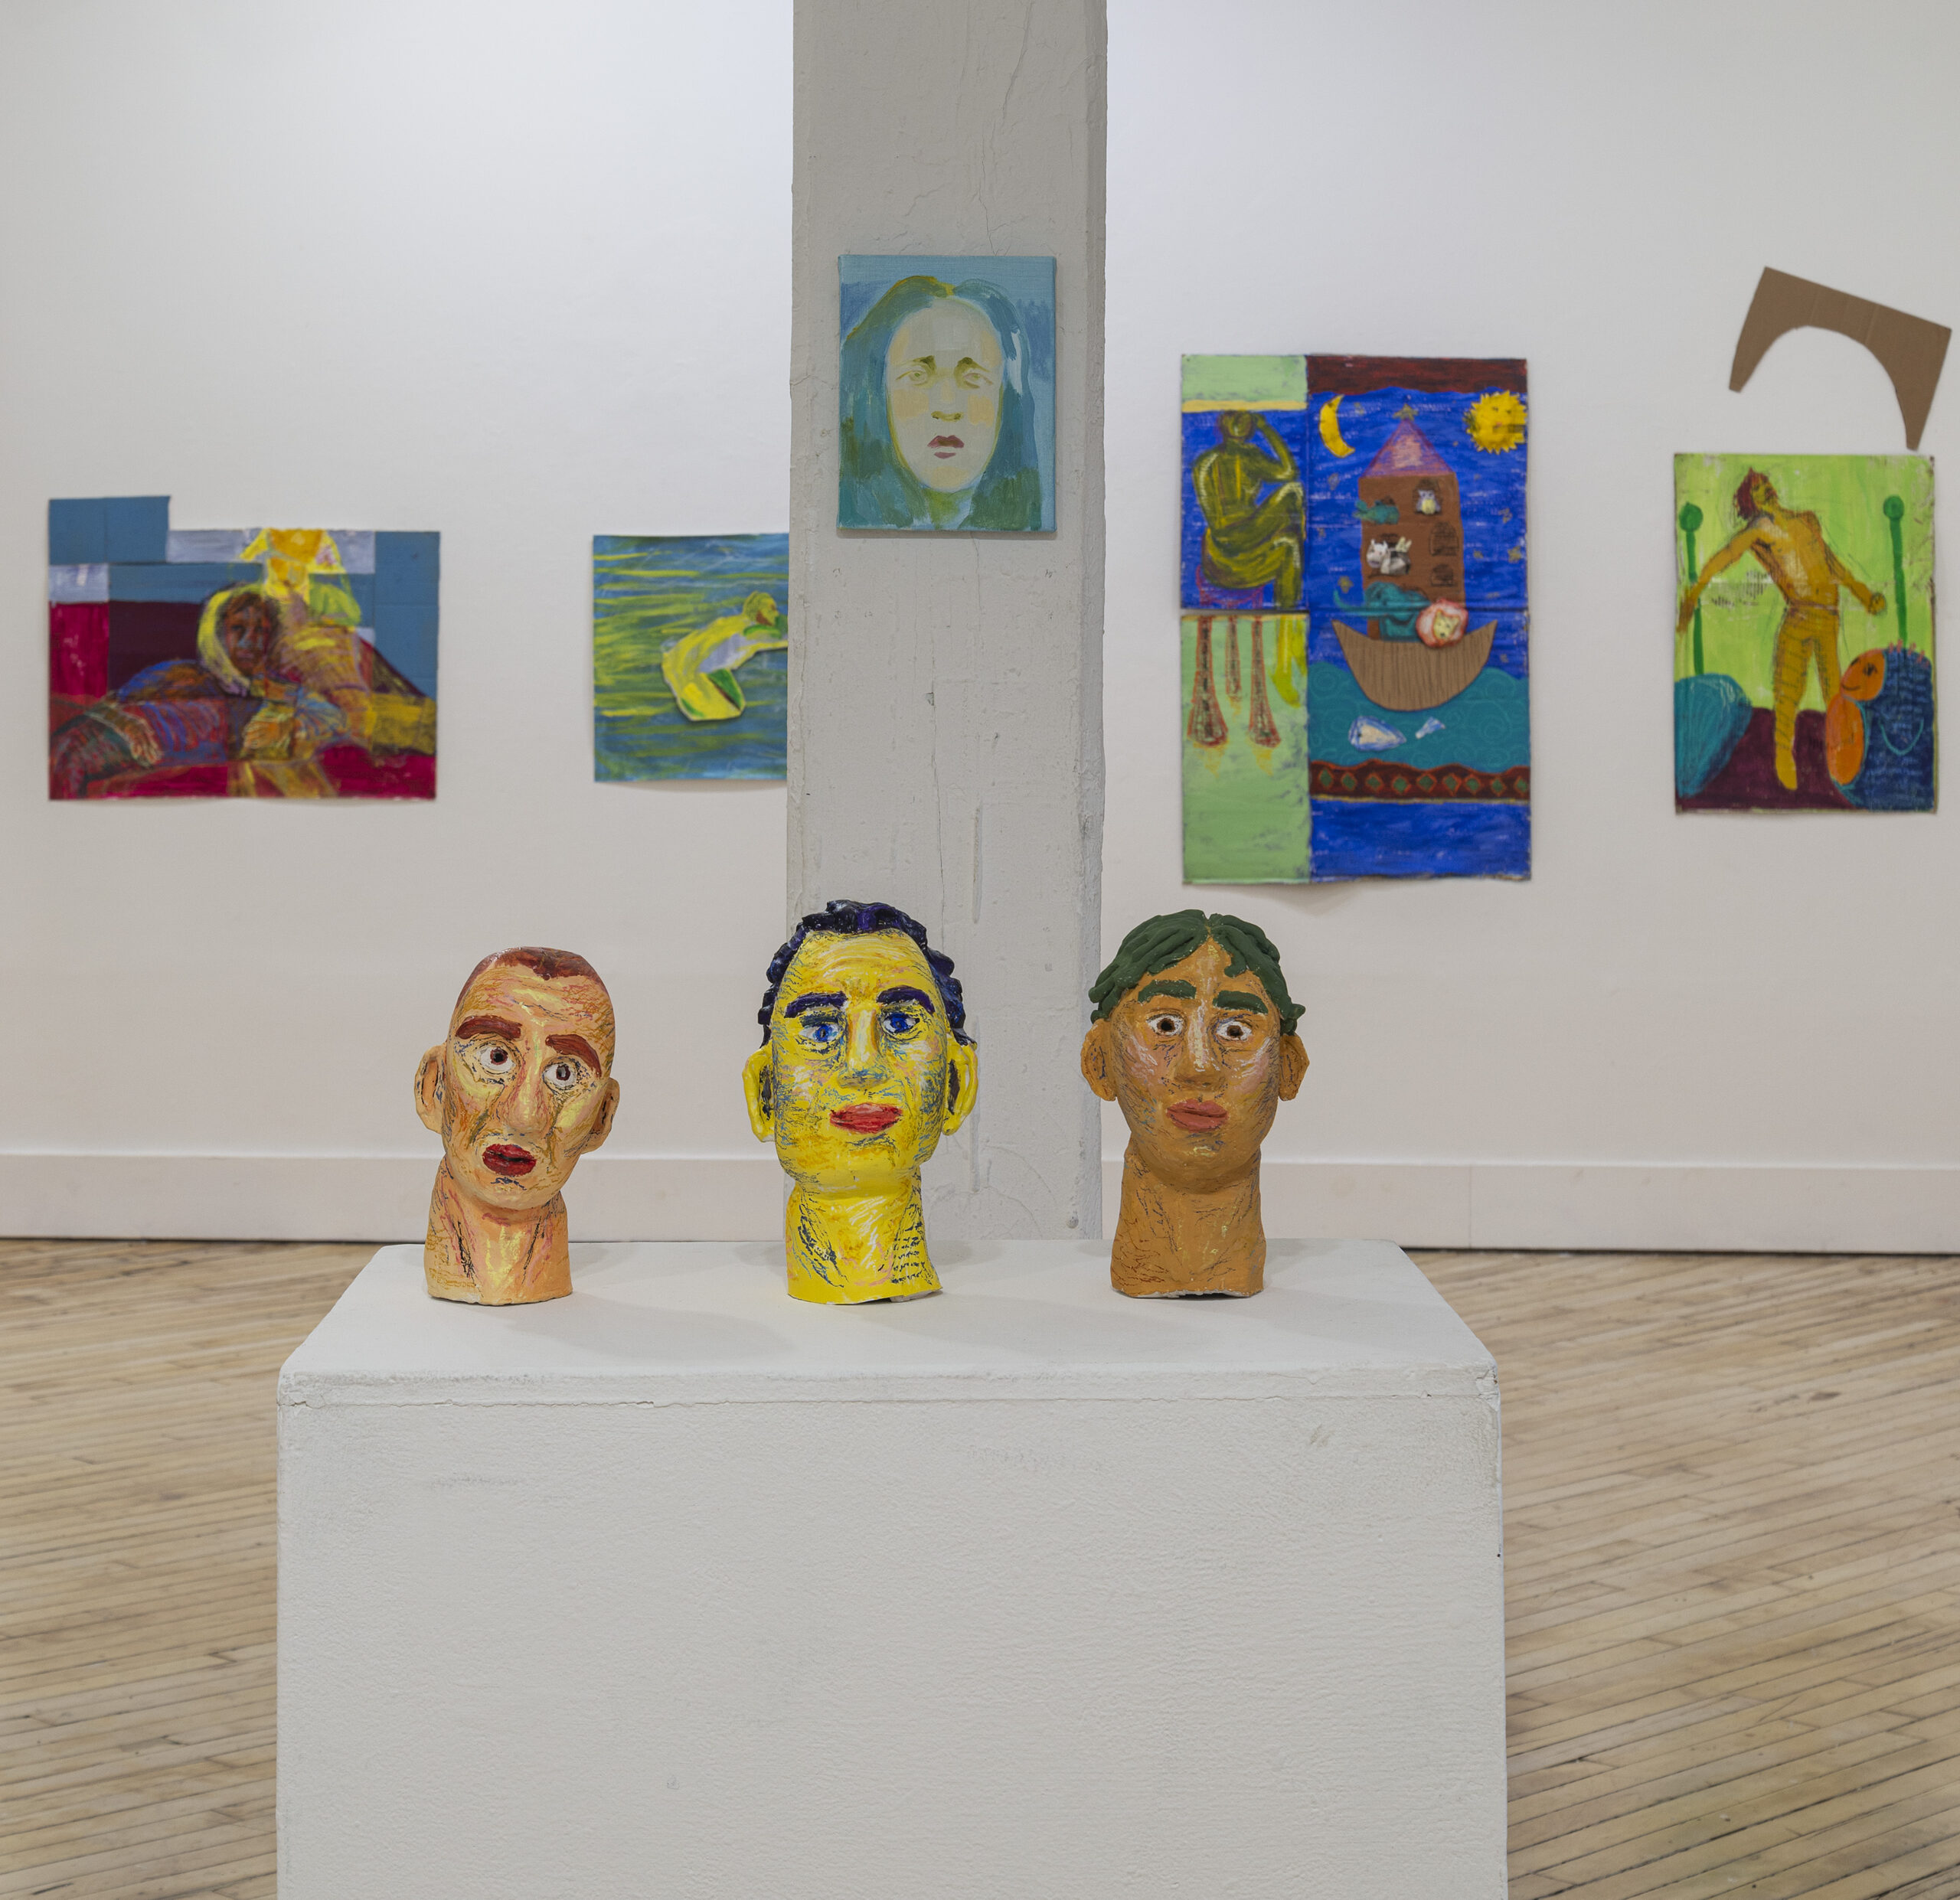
{"points": [[1028, 282]]}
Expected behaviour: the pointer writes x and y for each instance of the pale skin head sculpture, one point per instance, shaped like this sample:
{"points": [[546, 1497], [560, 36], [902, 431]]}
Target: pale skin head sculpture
{"points": [[1193, 1039], [864, 1064], [520, 1089]]}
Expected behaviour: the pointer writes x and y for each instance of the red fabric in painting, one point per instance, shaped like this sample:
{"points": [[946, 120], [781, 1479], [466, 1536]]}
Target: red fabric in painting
{"points": [[78, 649], [400, 774], [169, 781]]}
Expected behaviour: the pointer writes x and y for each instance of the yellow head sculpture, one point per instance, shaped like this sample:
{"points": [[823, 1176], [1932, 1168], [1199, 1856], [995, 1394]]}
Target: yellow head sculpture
{"points": [[520, 1089], [864, 1064]]}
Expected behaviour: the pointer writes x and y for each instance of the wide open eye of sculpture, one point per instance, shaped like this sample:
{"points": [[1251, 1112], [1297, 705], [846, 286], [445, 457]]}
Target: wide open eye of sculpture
{"points": [[864, 1064], [520, 1088], [1193, 1039]]}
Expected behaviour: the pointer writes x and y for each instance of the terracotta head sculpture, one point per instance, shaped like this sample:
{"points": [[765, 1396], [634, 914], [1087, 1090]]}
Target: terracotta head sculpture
{"points": [[521, 1088], [1193, 1037], [865, 1063]]}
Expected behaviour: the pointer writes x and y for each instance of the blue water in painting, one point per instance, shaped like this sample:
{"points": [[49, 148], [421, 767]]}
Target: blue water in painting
{"points": [[1357, 838], [1487, 726], [649, 589]]}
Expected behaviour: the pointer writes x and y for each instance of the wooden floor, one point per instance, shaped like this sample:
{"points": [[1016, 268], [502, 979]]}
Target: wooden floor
{"points": [[136, 1549], [1733, 1503], [1732, 1510]]}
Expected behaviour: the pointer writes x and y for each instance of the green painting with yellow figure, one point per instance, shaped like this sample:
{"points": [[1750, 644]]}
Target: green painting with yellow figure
{"points": [[1804, 633], [690, 656]]}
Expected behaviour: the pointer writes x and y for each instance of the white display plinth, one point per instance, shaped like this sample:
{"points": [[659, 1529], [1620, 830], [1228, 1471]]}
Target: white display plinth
{"points": [[678, 1587]]}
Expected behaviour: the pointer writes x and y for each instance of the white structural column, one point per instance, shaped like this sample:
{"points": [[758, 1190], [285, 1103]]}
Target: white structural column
{"points": [[946, 749]]}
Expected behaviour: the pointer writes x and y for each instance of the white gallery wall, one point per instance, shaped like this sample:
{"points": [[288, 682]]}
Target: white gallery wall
{"points": [[521, 275], [517, 273], [1684, 1031]]}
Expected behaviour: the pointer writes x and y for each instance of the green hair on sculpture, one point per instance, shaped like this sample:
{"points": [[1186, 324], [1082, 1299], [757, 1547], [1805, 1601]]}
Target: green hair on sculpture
{"points": [[1161, 941]]}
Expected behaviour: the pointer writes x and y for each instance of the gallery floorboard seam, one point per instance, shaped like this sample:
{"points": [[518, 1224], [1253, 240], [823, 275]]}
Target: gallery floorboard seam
{"points": [[1732, 1489]]}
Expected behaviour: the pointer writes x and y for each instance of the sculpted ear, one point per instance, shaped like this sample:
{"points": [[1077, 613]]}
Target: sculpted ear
{"points": [[429, 1089], [1292, 1066], [1095, 1061], [602, 1125], [963, 1084], [755, 1080]]}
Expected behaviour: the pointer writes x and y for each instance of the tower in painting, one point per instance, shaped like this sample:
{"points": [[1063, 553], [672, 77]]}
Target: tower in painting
{"points": [[1411, 532]]}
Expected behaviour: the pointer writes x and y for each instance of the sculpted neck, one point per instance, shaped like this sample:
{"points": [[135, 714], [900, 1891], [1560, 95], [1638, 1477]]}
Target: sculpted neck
{"points": [[848, 1248], [1172, 1240], [489, 1257]]}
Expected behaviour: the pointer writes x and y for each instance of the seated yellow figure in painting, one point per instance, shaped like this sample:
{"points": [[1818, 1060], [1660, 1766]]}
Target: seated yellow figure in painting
{"points": [[865, 1063], [522, 1087], [699, 667]]}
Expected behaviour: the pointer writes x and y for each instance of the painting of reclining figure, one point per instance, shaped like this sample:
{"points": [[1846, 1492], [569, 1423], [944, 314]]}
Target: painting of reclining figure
{"points": [[1803, 633], [690, 656], [293, 663]]}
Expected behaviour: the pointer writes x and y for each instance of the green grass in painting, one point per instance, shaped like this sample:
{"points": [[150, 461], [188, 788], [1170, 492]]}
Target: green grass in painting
{"points": [[1246, 811], [1742, 609]]}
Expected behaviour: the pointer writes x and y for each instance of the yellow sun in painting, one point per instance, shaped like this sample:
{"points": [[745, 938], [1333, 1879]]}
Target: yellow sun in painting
{"points": [[1495, 421]]}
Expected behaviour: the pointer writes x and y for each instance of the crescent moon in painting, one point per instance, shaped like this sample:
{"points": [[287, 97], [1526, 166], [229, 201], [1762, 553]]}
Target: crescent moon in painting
{"points": [[1329, 426]]}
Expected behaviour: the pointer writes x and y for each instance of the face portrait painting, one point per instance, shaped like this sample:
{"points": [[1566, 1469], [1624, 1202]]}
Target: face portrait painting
{"points": [[946, 393]]}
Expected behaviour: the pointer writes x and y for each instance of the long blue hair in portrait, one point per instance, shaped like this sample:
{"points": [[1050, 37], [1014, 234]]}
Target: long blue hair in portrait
{"points": [[875, 489]]}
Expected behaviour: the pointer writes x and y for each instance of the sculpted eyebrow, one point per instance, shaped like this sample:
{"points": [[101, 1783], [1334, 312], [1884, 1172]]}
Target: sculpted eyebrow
{"points": [[575, 1046], [815, 1000], [1238, 1000], [488, 1026], [904, 993], [1183, 991]]}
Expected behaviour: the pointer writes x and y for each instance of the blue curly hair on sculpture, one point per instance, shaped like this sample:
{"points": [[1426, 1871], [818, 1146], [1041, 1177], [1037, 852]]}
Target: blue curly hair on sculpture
{"points": [[847, 917]]}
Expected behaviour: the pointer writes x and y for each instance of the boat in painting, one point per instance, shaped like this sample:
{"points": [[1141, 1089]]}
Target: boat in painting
{"points": [[1405, 676]]}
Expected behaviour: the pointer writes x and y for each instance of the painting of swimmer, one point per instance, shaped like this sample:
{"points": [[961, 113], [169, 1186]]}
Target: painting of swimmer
{"points": [[1804, 633], [690, 656], [268, 663], [946, 393], [1385, 730]]}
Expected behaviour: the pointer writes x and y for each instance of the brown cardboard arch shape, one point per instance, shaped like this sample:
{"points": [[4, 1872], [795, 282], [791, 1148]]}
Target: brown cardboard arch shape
{"points": [[1912, 350]]}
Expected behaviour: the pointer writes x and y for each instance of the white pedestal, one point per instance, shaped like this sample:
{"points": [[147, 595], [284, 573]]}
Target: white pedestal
{"points": [[679, 1588]]}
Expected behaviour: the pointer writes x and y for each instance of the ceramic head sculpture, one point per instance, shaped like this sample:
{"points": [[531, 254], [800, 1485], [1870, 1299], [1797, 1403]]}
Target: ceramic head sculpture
{"points": [[1193, 1038], [520, 1089], [865, 1063]]}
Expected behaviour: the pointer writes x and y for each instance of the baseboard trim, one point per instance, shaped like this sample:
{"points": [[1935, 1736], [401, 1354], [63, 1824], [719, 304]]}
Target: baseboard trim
{"points": [[1657, 1206], [1651, 1206]]}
